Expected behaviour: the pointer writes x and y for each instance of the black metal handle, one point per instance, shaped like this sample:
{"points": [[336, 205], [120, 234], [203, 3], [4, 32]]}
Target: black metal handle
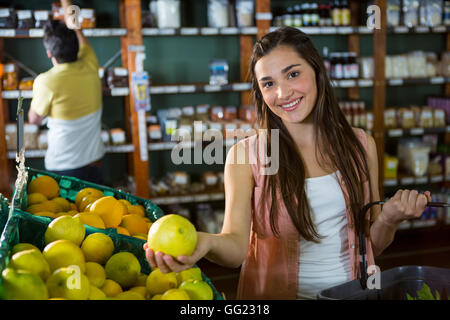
{"points": [[362, 236]]}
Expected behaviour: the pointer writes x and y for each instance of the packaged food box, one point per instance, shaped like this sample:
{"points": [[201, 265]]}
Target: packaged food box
{"points": [[11, 136], [30, 136], [26, 83], [117, 136], [117, 77], [25, 19], [40, 18], [57, 11], [154, 132], [8, 18], [10, 76], [87, 18], [43, 140]]}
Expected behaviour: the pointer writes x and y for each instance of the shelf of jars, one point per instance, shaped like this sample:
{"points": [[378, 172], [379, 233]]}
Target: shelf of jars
{"points": [[199, 31], [365, 83], [28, 94], [346, 30], [410, 180], [39, 33], [394, 133], [200, 88]]}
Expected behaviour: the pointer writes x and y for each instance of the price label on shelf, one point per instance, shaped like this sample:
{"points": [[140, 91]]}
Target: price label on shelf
{"points": [[241, 86], [217, 196], [249, 30], [328, 30], [421, 29], [345, 30], [437, 80], [7, 33], [365, 83], [150, 31], [209, 31], [210, 88], [117, 92], [439, 29], [390, 182], [119, 32], [170, 89], [186, 89], [421, 180], [10, 94], [396, 82], [401, 29], [189, 31], [347, 83], [416, 131], [167, 31], [27, 94], [157, 90], [365, 30], [407, 180], [228, 31], [201, 198], [263, 16], [36, 33], [436, 179]]}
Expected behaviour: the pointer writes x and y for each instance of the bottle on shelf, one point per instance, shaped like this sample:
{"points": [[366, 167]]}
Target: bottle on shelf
{"points": [[297, 20], [315, 17], [345, 13], [306, 9], [326, 61], [336, 13]]}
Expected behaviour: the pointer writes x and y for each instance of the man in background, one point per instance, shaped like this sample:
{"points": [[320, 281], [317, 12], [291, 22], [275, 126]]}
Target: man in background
{"points": [[70, 95]]}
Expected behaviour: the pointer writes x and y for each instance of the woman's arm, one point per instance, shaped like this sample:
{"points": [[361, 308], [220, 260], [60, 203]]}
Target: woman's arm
{"points": [[405, 204], [230, 247]]}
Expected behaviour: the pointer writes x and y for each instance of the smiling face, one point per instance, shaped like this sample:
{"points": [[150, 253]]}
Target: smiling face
{"points": [[287, 84]]}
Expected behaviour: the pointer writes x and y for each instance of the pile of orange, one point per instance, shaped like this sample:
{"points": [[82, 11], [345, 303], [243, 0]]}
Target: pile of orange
{"points": [[91, 206]]}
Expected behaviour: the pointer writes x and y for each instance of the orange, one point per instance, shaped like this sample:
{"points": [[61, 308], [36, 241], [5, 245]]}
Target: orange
{"points": [[110, 210], [90, 219], [45, 185], [137, 209], [97, 247], [87, 200], [35, 198], [124, 231], [134, 224], [111, 288], [45, 214], [73, 207], [63, 203], [87, 192]]}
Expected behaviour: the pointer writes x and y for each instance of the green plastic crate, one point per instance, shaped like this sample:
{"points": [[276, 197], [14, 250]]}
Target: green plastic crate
{"points": [[28, 228], [70, 186], [25, 227], [4, 211]]}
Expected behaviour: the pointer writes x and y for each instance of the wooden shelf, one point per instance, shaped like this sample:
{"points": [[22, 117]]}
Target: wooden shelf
{"points": [[192, 198], [395, 133], [202, 31], [361, 30], [409, 180], [40, 153], [166, 146], [39, 33], [199, 88], [28, 94]]}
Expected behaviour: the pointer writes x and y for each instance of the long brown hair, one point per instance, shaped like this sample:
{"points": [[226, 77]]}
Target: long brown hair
{"points": [[337, 148]]}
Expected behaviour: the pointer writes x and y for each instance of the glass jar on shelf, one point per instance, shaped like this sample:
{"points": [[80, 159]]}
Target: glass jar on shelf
{"points": [[218, 13], [169, 13]]}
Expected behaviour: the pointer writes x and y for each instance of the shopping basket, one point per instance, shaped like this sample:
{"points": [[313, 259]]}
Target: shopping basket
{"points": [[395, 283]]}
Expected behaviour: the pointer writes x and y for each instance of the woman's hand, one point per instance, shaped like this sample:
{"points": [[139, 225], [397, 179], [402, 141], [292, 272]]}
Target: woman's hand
{"points": [[166, 263], [404, 205]]}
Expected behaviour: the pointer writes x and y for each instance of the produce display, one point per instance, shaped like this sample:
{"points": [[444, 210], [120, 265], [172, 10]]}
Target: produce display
{"points": [[75, 240], [73, 266], [91, 207]]}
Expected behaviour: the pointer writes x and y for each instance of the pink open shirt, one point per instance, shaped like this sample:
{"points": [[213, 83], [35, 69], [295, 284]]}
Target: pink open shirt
{"points": [[271, 268]]}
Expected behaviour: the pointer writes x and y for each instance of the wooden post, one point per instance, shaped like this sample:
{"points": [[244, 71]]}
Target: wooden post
{"points": [[263, 25], [130, 19], [353, 42], [246, 52], [379, 90], [5, 173]]}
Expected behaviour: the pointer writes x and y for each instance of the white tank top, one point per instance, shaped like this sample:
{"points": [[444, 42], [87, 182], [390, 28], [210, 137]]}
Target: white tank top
{"points": [[327, 263]]}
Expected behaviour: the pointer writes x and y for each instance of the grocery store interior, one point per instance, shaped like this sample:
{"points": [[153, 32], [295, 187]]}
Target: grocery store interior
{"points": [[390, 72]]}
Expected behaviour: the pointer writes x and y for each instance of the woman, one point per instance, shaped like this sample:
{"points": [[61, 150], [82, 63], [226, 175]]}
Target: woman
{"points": [[295, 232]]}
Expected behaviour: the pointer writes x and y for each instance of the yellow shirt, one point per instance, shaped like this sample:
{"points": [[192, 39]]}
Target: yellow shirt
{"points": [[71, 90]]}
